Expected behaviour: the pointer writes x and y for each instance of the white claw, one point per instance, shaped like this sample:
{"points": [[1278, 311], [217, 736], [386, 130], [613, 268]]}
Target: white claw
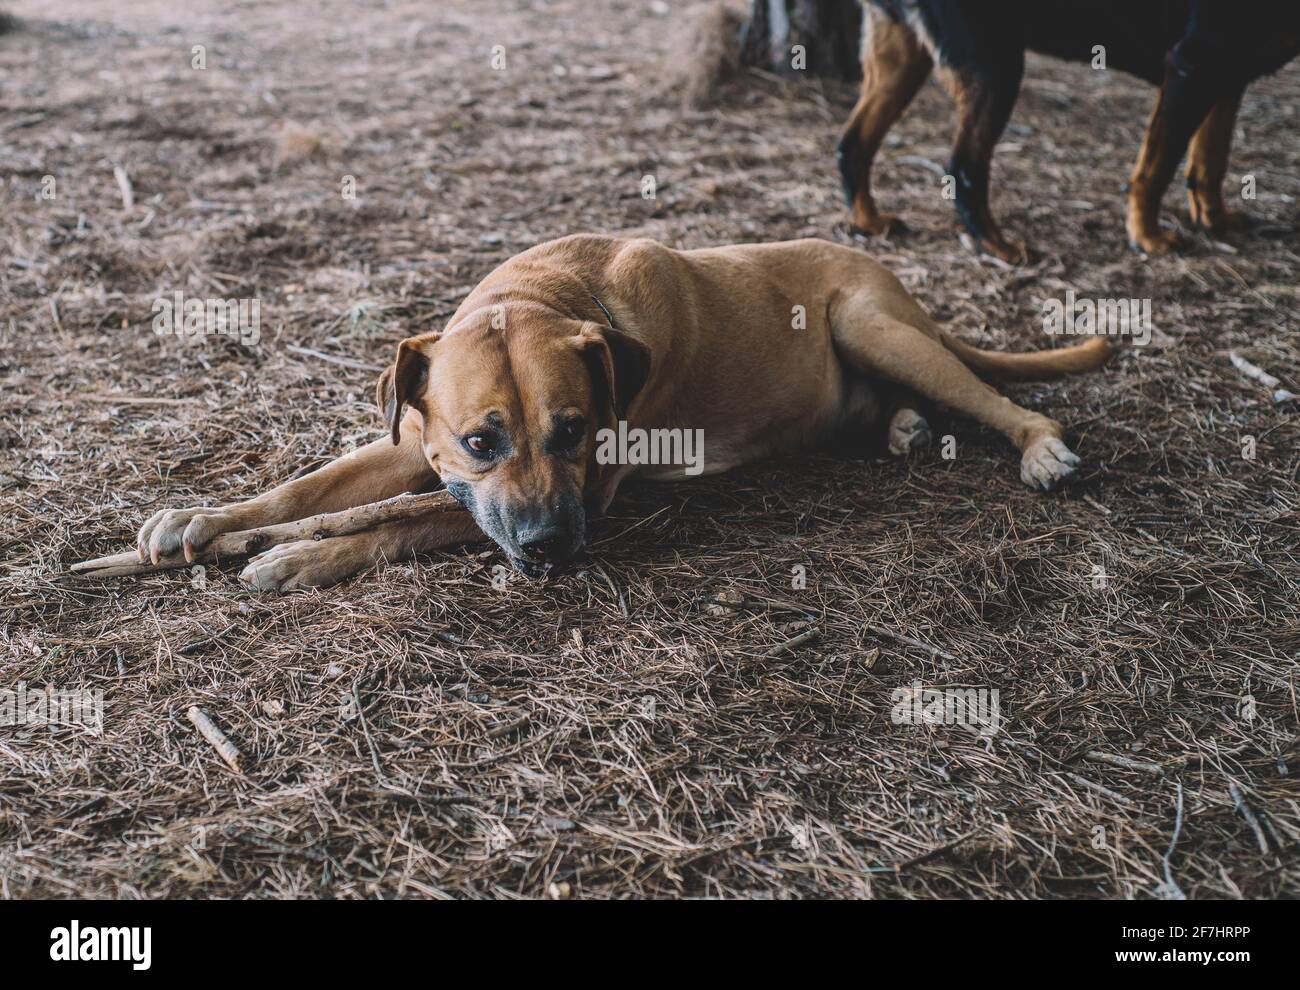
{"points": [[1047, 462]]}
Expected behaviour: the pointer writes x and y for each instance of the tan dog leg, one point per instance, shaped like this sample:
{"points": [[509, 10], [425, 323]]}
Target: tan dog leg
{"points": [[1146, 188], [317, 563], [894, 66], [377, 471], [887, 348], [1207, 164]]}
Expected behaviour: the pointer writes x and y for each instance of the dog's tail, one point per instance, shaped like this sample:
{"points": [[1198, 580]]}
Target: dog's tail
{"points": [[1034, 365]]}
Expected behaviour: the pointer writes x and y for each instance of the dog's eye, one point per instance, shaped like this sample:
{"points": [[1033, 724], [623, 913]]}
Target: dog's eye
{"points": [[480, 445], [570, 432]]}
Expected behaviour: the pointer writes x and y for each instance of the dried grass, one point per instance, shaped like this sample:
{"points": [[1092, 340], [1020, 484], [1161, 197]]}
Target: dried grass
{"points": [[294, 143]]}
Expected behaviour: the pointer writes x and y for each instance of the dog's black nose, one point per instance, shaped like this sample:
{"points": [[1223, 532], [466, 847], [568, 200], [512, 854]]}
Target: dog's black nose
{"points": [[543, 544]]}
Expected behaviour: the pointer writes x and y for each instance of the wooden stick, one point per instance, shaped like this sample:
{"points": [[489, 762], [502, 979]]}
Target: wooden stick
{"points": [[334, 358], [934, 651], [208, 730], [248, 542], [793, 643], [1098, 756], [1169, 890], [1093, 785], [1257, 373], [124, 187], [1243, 809]]}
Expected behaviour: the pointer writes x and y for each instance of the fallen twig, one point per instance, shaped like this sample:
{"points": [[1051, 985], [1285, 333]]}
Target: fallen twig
{"points": [[934, 651], [508, 727], [124, 187], [1239, 801], [333, 358], [208, 730], [1171, 891], [365, 730], [745, 599], [248, 542], [129, 400], [1097, 756], [794, 642], [198, 644], [937, 851], [1096, 505], [1255, 372], [1104, 791], [929, 164]]}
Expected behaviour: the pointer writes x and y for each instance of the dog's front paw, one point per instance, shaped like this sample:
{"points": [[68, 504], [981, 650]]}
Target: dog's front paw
{"points": [[173, 530], [1047, 462], [304, 564]]}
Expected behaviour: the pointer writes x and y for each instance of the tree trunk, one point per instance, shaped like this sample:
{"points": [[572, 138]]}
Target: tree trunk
{"points": [[827, 33]]}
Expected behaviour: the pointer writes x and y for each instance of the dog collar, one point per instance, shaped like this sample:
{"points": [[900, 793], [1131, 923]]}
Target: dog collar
{"points": [[608, 316]]}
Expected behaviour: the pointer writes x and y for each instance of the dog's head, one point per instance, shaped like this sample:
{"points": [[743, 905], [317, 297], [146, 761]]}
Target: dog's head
{"points": [[511, 399]]}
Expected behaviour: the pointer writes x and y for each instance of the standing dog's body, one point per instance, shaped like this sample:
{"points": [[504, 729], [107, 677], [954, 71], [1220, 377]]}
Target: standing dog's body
{"points": [[764, 348], [1201, 53]]}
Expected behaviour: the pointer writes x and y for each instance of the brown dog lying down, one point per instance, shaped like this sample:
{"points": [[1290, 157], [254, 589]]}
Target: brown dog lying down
{"points": [[764, 348]]}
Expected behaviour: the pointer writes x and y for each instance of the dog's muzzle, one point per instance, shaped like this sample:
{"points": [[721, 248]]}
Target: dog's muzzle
{"points": [[545, 546], [539, 540]]}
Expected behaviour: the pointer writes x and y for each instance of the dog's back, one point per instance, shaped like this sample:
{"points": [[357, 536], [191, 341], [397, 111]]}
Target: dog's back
{"points": [[1250, 38]]}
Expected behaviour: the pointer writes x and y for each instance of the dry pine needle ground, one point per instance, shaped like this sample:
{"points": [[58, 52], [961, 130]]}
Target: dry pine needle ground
{"points": [[420, 732]]}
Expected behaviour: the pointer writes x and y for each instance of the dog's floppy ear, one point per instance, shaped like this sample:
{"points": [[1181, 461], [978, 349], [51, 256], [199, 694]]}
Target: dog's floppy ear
{"points": [[404, 380], [619, 361]]}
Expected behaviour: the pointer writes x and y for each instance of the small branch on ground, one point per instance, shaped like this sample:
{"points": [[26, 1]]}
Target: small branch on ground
{"points": [[209, 731]]}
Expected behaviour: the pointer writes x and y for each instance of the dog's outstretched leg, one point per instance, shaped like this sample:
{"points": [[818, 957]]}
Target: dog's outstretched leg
{"points": [[377, 471], [317, 563], [894, 66], [884, 347]]}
